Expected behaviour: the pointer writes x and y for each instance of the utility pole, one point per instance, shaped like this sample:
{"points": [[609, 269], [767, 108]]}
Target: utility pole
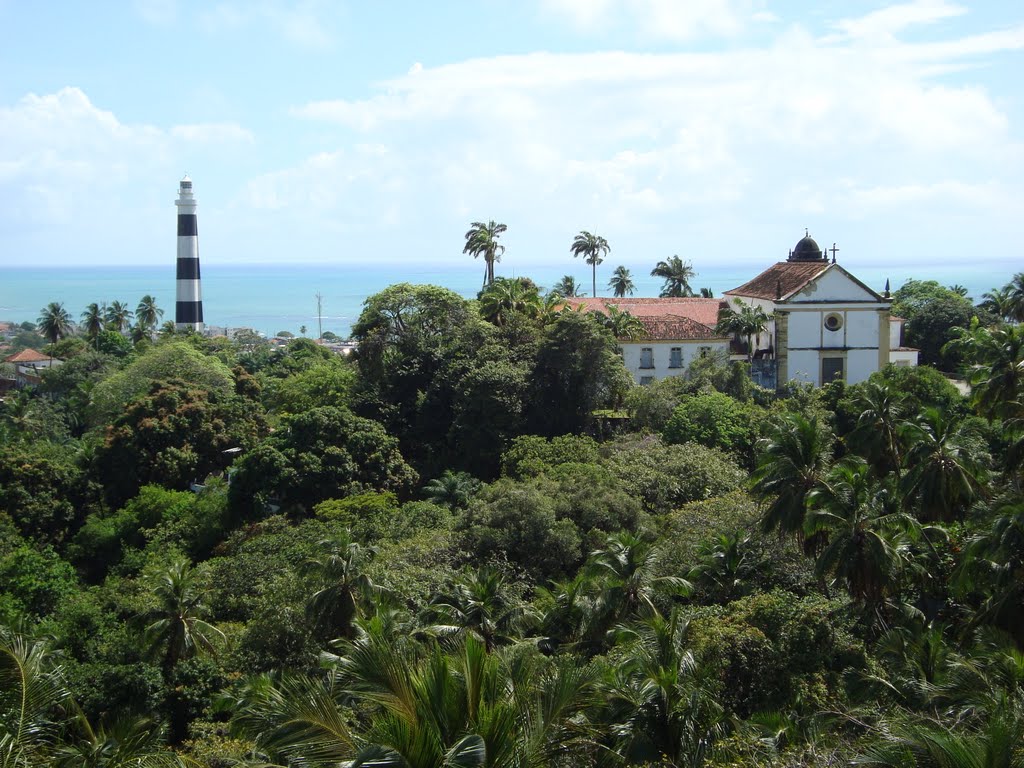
{"points": [[319, 316]]}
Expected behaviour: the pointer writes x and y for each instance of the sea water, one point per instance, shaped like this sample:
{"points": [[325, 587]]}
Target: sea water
{"points": [[271, 298]]}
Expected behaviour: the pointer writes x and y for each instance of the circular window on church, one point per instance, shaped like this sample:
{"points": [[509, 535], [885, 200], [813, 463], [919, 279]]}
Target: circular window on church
{"points": [[833, 321]]}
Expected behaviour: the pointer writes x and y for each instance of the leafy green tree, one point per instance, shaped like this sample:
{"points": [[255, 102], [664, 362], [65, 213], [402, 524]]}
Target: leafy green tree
{"points": [[323, 453], [173, 436], [482, 240], [567, 288], [174, 360], [54, 322], [621, 283], [43, 490], [677, 275], [327, 382], [593, 248], [931, 312], [714, 420], [578, 370]]}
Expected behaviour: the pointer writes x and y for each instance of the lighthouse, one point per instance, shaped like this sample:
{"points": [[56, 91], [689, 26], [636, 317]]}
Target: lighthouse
{"points": [[188, 311]]}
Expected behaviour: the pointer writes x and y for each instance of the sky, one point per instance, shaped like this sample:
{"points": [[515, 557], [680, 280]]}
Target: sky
{"points": [[376, 132]]}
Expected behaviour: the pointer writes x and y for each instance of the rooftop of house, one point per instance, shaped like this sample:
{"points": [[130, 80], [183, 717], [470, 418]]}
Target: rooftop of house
{"points": [[27, 356], [780, 280], [668, 319]]}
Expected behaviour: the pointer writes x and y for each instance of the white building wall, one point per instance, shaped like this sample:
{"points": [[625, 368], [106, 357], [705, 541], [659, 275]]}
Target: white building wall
{"points": [[860, 363], [805, 366], [632, 353]]}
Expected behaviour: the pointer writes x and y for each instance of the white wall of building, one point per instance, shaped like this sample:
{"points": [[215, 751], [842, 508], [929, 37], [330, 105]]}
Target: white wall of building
{"points": [[661, 357]]}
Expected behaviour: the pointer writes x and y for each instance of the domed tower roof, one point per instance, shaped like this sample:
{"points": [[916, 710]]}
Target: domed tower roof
{"points": [[807, 250]]}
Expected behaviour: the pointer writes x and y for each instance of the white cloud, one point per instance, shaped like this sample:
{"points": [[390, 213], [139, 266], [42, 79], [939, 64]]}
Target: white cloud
{"points": [[159, 13], [883, 24], [674, 20]]}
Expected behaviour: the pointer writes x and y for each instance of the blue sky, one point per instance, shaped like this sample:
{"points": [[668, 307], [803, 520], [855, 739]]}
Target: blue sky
{"points": [[356, 132]]}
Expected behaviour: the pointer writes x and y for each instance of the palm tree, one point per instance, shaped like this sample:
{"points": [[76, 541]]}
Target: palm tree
{"points": [[507, 296], [725, 564], [657, 709], [54, 322], [176, 630], [1000, 302], [479, 604], [342, 584], [625, 575], [677, 275], [868, 542], [92, 321], [593, 248], [32, 695], [482, 239], [148, 313], [946, 473], [568, 288], [118, 316], [621, 323], [877, 434], [792, 460], [749, 322], [452, 489], [1016, 287], [127, 742], [621, 283]]}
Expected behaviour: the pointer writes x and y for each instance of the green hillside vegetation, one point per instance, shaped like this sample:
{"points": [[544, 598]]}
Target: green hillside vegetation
{"points": [[432, 553]]}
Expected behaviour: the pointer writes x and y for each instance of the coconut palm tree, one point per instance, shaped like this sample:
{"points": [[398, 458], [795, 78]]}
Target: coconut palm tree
{"points": [[1000, 302], [621, 283], [342, 584], [593, 248], [507, 296], [791, 461], [868, 540], [568, 288], [749, 321], [176, 630], [54, 322], [118, 316], [92, 322], [482, 240], [946, 472], [725, 563], [148, 313], [479, 604], [677, 275], [33, 701], [657, 709], [881, 411], [621, 323]]}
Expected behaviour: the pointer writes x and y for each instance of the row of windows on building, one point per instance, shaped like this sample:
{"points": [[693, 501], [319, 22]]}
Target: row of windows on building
{"points": [[675, 356]]}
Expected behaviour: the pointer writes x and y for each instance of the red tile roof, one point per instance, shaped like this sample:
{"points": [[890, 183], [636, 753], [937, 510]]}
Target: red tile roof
{"points": [[665, 319], [781, 280], [27, 356]]}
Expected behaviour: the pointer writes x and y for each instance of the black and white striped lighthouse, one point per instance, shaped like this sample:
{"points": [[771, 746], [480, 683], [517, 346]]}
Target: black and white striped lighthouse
{"points": [[188, 311]]}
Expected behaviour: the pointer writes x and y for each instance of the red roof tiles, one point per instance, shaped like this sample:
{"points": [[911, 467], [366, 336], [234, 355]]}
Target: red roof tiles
{"points": [[780, 280], [674, 319], [27, 356]]}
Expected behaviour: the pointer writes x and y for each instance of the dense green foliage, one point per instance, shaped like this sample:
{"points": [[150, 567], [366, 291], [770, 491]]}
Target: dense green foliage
{"points": [[225, 554]]}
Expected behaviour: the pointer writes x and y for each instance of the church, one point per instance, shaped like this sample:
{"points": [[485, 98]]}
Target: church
{"points": [[823, 325]]}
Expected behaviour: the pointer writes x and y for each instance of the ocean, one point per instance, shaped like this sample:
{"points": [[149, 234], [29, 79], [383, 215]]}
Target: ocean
{"points": [[271, 297]]}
